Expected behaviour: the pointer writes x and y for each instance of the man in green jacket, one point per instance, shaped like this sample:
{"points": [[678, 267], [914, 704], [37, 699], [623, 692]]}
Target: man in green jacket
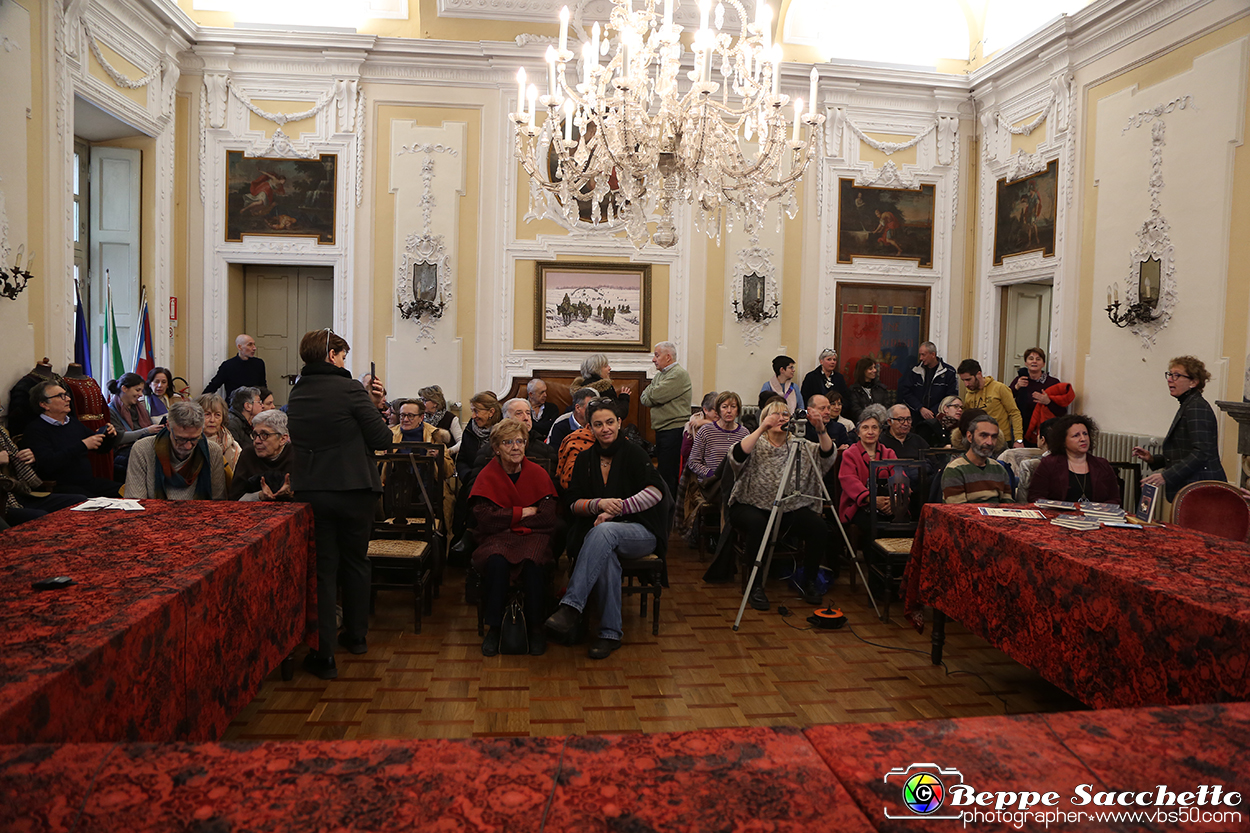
{"points": [[668, 397]]}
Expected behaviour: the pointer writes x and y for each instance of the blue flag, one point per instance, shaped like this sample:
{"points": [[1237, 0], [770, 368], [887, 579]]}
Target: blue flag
{"points": [[82, 344]]}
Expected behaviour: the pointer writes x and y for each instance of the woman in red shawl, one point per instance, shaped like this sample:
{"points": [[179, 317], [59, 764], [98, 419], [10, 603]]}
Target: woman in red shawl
{"points": [[514, 504]]}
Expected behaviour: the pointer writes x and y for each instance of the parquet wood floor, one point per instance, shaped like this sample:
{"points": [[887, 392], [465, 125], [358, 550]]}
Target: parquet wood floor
{"points": [[697, 674]]}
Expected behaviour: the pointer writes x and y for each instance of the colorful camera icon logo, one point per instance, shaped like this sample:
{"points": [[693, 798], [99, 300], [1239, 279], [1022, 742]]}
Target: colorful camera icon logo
{"points": [[923, 793], [922, 789]]}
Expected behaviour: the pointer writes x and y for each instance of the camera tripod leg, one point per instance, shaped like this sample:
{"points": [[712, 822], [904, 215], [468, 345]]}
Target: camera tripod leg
{"points": [[770, 532]]}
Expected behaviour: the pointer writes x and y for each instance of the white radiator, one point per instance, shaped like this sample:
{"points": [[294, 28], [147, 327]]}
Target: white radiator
{"points": [[1117, 447]]}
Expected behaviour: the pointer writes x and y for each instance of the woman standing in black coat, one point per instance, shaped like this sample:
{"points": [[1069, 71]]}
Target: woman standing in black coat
{"points": [[1191, 449], [335, 428], [866, 390]]}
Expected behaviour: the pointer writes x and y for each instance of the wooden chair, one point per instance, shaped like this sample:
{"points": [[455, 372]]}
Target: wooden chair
{"points": [[648, 572], [1213, 507], [889, 543], [405, 545], [434, 477]]}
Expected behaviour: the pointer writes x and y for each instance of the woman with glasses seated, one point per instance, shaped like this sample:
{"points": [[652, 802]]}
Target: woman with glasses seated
{"points": [[178, 463], [486, 413], [759, 463], [619, 511], [514, 503], [1190, 450]]}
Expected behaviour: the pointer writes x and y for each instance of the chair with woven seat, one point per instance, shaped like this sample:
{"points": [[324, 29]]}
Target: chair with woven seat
{"points": [[889, 543], [1213, 507], [404, 546]]}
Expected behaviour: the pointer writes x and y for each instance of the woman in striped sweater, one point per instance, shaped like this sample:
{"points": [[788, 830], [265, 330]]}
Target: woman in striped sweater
{"points": [[713, 441]]}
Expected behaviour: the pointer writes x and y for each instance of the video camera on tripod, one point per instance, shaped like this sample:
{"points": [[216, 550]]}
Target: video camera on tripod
{"points": [[798, 423]]}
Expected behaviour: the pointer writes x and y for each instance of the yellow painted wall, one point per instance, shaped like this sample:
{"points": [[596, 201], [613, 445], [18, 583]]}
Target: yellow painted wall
{"points": [[714, 303], [1237, 302], [465, 258], [1028, 143]]}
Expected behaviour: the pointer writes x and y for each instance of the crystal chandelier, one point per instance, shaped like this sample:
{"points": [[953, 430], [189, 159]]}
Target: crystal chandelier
{"points": [[629, 139]]}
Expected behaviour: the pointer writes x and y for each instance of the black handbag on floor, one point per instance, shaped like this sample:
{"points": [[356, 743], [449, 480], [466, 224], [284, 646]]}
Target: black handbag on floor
{"points": [[514, 636]]}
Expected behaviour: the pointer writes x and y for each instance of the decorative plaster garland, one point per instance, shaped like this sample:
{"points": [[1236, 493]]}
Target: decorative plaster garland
{"points": [[280, 118], [1146, 116], [1031, 126], [888, 148], [112, 72]]}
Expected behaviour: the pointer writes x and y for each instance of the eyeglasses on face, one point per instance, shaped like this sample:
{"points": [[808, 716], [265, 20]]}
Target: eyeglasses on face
{"points": [[900, 419], [62, 395], [1174, 376], [408, 417], [186, 441], [517, 441], [265, 435]]}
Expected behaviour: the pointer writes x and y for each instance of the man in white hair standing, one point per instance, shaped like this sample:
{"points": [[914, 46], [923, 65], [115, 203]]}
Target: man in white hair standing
{"points": [[668, 397]]}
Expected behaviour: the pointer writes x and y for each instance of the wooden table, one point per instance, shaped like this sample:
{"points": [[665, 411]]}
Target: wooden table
{"points": [[178, 614], [1114, 617]]}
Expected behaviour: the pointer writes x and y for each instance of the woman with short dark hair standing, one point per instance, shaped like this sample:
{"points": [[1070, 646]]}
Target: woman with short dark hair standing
{"points": [[336, 425], [1191, 450]]}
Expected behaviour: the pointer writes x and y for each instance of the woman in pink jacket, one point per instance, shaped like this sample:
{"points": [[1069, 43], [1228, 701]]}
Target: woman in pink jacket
{"points": [[853, 475]]}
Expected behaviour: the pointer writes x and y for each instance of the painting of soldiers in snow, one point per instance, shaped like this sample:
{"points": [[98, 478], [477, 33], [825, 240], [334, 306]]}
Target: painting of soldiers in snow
{"points": [[592, 306]]}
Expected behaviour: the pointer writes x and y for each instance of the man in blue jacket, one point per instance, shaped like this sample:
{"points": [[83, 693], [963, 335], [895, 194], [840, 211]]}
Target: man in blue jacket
{"points": [[923, 388]]}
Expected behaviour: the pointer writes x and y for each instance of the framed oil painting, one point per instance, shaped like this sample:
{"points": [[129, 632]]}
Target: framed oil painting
{"points": [[280, 197], [887, 323], [885, 222], [1024, 216], [597, 307]]}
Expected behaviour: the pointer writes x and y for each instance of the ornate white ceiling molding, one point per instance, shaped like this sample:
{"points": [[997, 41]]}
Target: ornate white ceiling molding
{"points": [[548, 11]]}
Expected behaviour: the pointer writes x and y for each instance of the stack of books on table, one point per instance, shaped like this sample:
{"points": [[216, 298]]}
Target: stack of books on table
{"points": [[1044, 503], [1103, 512], [1077, 522]]}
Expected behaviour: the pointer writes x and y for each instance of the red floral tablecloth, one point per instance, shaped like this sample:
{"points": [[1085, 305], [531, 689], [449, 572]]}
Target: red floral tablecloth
{"points": [[178, 614], [1114, 617]]}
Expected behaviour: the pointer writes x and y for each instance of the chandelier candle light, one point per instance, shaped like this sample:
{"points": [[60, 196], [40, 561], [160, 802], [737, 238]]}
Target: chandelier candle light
{"points": [[633, 138]]}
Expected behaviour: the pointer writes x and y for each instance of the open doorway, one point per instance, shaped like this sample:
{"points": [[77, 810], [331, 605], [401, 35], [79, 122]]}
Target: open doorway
{"points": [[1025, 324], [280, 304]]}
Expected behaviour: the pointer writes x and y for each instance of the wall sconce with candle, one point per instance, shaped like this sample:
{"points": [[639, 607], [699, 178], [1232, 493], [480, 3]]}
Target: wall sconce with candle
{"points": [[1142, 311], [13, 279]]}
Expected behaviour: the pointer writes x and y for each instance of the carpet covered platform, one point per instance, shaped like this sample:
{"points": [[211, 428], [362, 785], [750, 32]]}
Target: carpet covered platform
{"points": [[825, 778]]}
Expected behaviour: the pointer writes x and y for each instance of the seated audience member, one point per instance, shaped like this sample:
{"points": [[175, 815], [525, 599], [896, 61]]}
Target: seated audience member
{"points": [[836, 405], [853, 473], [61, 444], [993, 397], [1072, 472], [824, 379], [975, 476], [518, 410], [130, 419], [597, 373], [617, 500], [486, 413], [866, 389], [1191, 449], [159, 391], [759, 464], [18, 480], [706, 415], [714, 439], [413, 428], [905, 444], [949, 413], [573, 420], [570, 447], [244, 404], [436, 414], [833, 424], [1032, 387], [516, 512], [215, 416], [544, 413], [178, 463], [266, 399], [1025, 467], [264, 469], [923, 387], [241, 370], [782, 384]]}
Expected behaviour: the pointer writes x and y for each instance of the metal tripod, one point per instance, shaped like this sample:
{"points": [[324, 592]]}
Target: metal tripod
{"points": [[771, 531]]}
